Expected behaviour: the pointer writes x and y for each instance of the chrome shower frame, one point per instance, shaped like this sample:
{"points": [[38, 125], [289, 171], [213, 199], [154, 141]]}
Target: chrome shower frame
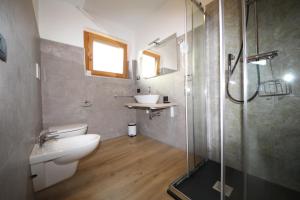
{"points": [[222, 93], [245, 98]]}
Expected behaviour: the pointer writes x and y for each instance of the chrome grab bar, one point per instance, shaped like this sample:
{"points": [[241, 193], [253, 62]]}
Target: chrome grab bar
{"points": [[125, 96]]}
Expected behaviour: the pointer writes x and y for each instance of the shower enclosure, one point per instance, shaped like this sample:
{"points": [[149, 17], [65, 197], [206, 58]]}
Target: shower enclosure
{"points": [[242, 80]]}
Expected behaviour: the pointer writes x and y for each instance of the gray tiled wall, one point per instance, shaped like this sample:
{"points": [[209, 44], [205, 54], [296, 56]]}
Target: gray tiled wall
{"points": [[20, 98], [65, 87]]}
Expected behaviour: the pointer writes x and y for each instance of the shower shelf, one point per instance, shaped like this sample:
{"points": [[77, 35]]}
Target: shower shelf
{"points": [[277, 87]]}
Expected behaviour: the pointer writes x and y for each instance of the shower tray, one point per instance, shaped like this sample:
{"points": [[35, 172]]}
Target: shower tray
{"points": [[199, 185]]}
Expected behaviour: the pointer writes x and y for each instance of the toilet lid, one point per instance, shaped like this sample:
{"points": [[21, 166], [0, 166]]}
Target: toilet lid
{"points": [[67, 128]]}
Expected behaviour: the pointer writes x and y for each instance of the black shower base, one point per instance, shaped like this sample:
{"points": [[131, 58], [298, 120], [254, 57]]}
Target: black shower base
{"points": [[199, 186]]}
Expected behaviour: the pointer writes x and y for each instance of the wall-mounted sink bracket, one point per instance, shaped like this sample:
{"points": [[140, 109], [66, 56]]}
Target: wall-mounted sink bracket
{"points": [[153, 109], [153, 113]]}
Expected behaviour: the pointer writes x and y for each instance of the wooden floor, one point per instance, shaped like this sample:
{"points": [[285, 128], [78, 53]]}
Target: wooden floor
{"points": [[122, 168]]}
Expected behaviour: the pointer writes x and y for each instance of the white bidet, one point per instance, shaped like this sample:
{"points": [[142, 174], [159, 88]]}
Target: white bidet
{"points": [[57, 159]]}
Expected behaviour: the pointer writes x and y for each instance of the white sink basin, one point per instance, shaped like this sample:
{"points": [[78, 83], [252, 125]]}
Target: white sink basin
{"points": [[151, 98], [65, 150]]}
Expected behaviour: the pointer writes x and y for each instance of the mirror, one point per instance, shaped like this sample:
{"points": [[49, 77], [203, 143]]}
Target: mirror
{"points": [[160, 58]]}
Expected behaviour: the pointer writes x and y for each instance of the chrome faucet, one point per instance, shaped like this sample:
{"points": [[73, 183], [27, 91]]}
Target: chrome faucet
{"points": [[45, 136], [149, 90]]}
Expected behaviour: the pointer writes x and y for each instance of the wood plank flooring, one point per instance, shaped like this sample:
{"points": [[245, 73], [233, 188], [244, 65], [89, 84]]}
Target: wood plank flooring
{"points": [[122, 168]]}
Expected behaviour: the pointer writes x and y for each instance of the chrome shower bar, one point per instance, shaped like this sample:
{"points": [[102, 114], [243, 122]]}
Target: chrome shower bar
{"points": [[263, 56]]}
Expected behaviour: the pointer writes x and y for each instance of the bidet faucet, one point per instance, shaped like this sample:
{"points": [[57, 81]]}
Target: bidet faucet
{"points": [[45, 136]]}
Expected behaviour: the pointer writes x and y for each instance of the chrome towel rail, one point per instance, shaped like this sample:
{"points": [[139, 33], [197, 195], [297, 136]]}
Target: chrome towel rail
{"points": [[123, 96]]}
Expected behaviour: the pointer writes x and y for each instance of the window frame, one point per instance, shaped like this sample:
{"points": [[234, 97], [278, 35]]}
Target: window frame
{"points": [[89, 38], [157, 60]]}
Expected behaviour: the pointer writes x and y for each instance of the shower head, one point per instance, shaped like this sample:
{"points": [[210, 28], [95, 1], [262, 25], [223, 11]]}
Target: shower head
{"points": [[261, 59]]}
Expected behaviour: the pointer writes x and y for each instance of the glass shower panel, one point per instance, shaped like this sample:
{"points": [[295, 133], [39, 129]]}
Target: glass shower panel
{"points": [[271, 133], [196, 85], [233, 104], [188, 52], [194, 54]]}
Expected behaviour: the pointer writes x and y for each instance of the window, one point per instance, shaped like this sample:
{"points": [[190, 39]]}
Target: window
{"points": [[105, 56], [151, 64]]}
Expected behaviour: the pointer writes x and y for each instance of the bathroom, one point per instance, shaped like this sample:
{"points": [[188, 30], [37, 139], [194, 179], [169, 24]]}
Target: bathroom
{"points": [[180, 115]]}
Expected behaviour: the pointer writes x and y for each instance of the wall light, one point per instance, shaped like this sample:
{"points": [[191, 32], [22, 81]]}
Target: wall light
{"points": [[288, 77]]}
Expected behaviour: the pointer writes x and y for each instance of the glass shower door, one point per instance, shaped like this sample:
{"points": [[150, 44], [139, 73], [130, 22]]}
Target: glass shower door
{"points": [[272, 120], [262, 104], [195, 84], [193, 54]]}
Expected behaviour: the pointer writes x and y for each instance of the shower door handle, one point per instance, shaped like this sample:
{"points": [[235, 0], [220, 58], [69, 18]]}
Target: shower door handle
{"points": [[188, 77]]}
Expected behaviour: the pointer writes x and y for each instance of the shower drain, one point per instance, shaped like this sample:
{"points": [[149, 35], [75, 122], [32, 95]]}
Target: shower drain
{"points": [[227, 188]]}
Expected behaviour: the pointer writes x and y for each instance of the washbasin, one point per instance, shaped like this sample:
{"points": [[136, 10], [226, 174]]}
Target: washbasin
{"points": [[150, 98]]}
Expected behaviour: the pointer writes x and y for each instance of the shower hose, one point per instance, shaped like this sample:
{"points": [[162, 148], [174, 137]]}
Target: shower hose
{"points": [[231, 71]]}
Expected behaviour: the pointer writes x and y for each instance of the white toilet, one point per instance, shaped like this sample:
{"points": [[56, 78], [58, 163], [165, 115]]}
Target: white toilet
{"points": [[57, 159]]}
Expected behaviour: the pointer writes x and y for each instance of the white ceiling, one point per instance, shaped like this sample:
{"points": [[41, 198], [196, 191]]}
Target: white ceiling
{"points": [[129, 13]]}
